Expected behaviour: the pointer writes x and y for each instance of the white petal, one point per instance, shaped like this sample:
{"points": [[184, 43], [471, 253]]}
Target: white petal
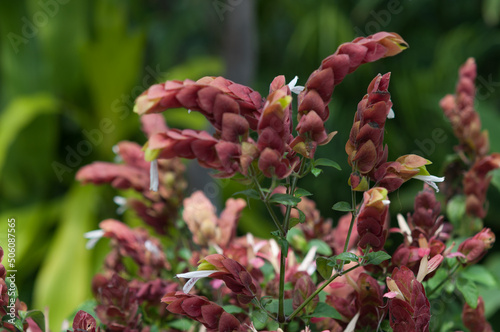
{"points": [[189, 285], [115, 149], [152, 248], [308, 260], [352, 324], [430, 180], [93, 237], [119, 200], [403, 226], [153, 176], [122, 204], [196, 274], [386, 202], [295, 89], [189, 111], [391, 114]]}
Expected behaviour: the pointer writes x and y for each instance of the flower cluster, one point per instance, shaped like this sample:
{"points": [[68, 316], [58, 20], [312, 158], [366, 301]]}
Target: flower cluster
{"points": [[192, 262], [235, 111], [474, 143], [157, 209]]}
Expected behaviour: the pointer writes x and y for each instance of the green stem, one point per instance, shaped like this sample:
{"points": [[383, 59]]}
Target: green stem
{"points": [[284, 249], [264, 198], [452, 271], [313, 295], [353, 219], [258, 304]]}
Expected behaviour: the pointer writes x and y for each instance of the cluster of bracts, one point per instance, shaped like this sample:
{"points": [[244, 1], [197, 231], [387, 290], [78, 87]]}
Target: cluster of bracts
{"points": [[254, 137]]}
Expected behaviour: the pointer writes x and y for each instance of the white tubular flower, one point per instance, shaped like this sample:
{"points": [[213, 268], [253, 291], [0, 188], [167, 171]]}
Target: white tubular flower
{"points": [[391, 114], [152, 248], [193, 277], [122, 204], [308, 263], [295, 89], [430, 180], [352, 324], [93, 237], [154, 181], [405, 229]]}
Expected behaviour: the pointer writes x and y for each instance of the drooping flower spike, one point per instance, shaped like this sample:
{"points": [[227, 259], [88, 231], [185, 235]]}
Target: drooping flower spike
{"points": [[314, 100]]}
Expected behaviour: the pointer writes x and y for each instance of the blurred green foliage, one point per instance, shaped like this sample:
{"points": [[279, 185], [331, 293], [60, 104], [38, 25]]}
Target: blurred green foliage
{"points": [[70, 70]]}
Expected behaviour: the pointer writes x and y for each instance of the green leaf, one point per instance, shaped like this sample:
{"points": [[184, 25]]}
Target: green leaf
{"points": [[480, 274], [324, 310], [385, 326], [37, 316], [181, 324], [18, 114], [455, 209], [327, 162], [316, 171], [67, 264], [376, 257], [469, 290], [323, 268], [284, 199], [322, 247], [495, 179], [342, 206], [347, 257], [301, 219], [251, 193], [232, 309], [301, 192]]}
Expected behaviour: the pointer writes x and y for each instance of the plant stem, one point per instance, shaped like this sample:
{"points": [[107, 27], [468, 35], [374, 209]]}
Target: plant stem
{"points": [[264, 198], [452, 271], [284, 248], [353, 219], [313, 295]]}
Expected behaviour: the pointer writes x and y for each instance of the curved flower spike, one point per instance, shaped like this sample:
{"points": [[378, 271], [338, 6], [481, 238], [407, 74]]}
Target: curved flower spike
{"points": [[320, 85]]}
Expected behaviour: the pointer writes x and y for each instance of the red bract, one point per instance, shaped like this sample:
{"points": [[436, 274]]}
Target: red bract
{"points": [[118, 305], [459, 109], [476, 183], [211, 96], [474, 319], [206, 227], [476, 247], [314, 100], [158, 209], [391, 175], [236, 277], [426, 217], [409, 308], [200, 309], [146, 251], [85, 322], [372, 217], [369, 301], [365, 148]]}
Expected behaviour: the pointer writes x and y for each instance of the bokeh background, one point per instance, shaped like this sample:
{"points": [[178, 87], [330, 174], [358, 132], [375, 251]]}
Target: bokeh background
{"points": [[70, 70]]}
